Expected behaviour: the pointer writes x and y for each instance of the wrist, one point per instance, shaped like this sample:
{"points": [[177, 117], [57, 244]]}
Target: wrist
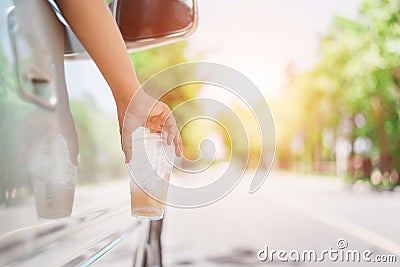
{"points": [[124, 97], [136, 101]]}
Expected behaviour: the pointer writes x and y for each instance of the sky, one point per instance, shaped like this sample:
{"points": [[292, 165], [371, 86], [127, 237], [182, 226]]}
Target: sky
{"points": [[259, 38]]}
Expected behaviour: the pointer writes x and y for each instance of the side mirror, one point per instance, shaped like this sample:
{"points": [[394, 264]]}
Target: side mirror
{"points": [[143, 24], [149, 23]]}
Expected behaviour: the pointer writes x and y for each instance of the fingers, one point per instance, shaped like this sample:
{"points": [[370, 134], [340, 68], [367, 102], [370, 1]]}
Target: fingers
{"points": [[130, 124], [176, 139], [165, 121], [173, 134], [155, 121], [159, 119], [178, 145], [128, 154], [127, 145], [171, 137]]}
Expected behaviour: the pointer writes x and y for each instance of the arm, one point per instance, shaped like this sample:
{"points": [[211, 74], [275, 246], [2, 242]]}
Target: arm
{"points": [[94, 25], [96, 29]]}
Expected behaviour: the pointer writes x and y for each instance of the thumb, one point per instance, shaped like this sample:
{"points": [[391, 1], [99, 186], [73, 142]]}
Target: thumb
{"points": [[129, 126], [127, 145]]}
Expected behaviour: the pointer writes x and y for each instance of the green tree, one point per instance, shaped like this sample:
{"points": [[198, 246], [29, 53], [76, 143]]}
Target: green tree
{"points": [[357, 73]]}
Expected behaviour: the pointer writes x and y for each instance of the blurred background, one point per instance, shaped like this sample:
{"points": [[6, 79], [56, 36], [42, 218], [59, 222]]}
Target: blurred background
{"points": [[330, 72]]}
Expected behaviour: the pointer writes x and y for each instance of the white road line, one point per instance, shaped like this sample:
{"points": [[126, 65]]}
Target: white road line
{"points": [[341, 223]]}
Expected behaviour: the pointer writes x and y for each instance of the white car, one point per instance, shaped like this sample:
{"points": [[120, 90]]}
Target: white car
{"points": [[43, 221]]}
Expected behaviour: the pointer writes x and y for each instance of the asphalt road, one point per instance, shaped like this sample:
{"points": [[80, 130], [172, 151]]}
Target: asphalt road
{"points": [[290, 212]]}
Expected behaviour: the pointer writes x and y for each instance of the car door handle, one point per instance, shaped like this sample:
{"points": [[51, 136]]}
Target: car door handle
{"points": [[47, 100]]}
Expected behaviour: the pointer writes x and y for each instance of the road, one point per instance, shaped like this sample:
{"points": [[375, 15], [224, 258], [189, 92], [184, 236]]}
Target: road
{"points": [[290, 212]]}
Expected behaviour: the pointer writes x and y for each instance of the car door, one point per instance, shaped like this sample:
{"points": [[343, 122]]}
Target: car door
{"points": [[54, 211]]}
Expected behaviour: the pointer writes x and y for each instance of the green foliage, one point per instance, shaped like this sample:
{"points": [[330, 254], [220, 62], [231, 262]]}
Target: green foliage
{"points": [[100, 156], [358, 72], [13, 112]]}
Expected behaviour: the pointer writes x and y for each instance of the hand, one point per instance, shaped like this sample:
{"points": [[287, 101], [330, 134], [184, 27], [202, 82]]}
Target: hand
{"points": [[146, 111]]}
